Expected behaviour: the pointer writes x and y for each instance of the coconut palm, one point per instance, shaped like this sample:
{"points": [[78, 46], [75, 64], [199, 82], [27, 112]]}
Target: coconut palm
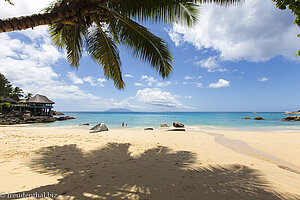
{"points": [[16, 94], [100, 25], [28, 96]]}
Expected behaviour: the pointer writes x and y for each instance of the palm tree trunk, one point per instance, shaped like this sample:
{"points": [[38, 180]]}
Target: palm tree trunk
{"points": [[25, 22]]}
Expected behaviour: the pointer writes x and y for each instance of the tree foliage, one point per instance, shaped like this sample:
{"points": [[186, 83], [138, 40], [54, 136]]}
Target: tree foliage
{"points": [[294, 6], [99, 26], [7, 90]]}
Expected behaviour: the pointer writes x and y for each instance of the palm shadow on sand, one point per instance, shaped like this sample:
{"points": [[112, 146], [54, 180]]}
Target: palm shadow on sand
{"points": [[159, 173]]}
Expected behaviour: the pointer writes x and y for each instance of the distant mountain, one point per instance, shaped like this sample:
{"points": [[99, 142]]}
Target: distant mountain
{"points": [[118, 110]]}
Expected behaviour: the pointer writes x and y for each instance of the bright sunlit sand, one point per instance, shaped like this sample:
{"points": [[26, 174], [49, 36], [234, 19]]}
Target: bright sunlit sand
{"points": [[136, 164]]}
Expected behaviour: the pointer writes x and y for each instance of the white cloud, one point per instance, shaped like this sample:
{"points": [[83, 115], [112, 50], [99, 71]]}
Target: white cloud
{"points": [[199, 85], [29, 65], [163, 84], [188, 78], [138, 84], [74, 78], [128, 76], [188, 97], [175, 37], [149, 79], [208, 63], [89, 79], [22, 7], [219, 84], [262, 79], [192, 77], [252, 30], [157, 97]]}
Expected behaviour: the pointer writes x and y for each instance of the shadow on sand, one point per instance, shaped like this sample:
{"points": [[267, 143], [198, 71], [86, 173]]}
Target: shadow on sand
{"points": [[159, 173]]}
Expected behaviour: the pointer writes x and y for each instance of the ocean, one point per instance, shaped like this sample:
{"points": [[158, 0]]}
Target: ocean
{"points": [[192, 120]]}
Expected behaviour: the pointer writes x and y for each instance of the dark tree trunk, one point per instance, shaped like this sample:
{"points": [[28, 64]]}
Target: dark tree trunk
{"points": [[20, 23], [25, 22]]}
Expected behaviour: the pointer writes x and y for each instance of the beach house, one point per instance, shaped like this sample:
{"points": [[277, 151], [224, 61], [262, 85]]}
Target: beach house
{"points": [[39, 105]]}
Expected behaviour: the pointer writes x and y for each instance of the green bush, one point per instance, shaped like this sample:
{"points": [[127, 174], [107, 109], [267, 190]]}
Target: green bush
{"points": [[5, 107]]}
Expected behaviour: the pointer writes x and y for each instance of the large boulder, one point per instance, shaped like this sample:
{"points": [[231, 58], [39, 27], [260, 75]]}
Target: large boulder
{"points": [[246, 118], [99, 128], [258, 118], [291, 118], [178, 125]]}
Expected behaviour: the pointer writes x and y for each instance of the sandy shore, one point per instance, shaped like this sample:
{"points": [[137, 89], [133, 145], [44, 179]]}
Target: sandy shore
{"points": [[137, 164]]}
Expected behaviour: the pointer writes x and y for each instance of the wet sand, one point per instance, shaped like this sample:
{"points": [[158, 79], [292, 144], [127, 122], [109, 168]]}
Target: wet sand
{"points": [[159, 164]]}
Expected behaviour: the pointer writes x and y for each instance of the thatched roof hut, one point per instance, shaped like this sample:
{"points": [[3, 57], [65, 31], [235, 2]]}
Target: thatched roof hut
{"points": [[7, 99], [40, 99]]}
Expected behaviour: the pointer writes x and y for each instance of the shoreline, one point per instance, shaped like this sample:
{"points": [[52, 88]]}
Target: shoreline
{"points": [[27, 156]]}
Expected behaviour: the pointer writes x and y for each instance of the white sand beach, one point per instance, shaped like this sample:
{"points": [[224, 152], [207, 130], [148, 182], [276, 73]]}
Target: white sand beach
{"points": [[159, 164]]}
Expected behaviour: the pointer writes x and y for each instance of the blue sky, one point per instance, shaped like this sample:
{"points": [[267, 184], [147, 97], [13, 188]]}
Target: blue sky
{"points": [[238, 58]]}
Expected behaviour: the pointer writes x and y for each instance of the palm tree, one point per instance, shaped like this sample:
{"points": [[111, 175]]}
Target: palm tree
{"points": [[17, 93], [99, 25], [28, 96]]}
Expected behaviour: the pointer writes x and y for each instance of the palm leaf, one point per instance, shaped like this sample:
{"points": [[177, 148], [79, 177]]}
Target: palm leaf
{"points": [[157, 10], [103, 50], [69, 37], [179, 11], [142, 43]]}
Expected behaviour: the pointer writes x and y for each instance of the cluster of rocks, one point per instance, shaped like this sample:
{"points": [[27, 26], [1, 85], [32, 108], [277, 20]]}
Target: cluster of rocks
{"points": [[255, 118], [53, 112], [17, 117], [176, 127], [292, 113], [291, 118]]}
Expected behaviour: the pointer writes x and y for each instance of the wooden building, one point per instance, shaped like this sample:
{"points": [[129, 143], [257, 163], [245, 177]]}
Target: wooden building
{"points": [[39, 105]]}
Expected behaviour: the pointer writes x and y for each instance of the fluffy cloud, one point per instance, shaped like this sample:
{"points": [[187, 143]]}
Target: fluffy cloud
{"points": [[252, 30], [29, 65], [262, 79], [74, 78], [128, 76], [149, 79], [157, 97], [163, 84], [89, 79], [138, 84], [219, 84], [22, 7]]}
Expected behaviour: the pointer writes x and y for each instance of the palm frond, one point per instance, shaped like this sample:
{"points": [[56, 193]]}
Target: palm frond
{"points": [[69, 37], [103, 50], [157, 10], [142, 43], [180, 11]]}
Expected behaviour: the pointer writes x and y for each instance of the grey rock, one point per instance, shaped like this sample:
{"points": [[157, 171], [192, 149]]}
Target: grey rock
{"points": [[178, 125], [99, 128]]}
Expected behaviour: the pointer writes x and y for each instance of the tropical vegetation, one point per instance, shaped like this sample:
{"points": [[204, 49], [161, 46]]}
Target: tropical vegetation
{"points": [[98, 26], [7, 90], [294, 6]]}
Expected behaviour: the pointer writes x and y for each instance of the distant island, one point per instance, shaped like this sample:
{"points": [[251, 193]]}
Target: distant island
{"points": [[118, 110]]}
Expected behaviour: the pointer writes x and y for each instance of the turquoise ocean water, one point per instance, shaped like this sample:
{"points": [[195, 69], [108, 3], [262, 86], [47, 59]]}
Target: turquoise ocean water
{"points": [[193, 120]]}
